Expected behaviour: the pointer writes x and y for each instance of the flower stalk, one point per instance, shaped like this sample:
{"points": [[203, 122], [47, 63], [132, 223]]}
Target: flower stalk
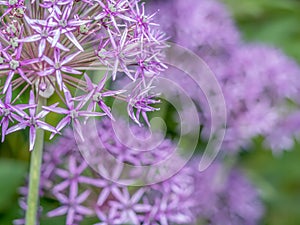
{"points": [[35, 172]]}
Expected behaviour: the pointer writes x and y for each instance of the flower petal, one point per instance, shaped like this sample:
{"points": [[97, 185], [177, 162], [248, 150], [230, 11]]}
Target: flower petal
{"points": [[69, 58], [72, 38], [32, 137], [17, 127], [46, 126], [32, 38]]}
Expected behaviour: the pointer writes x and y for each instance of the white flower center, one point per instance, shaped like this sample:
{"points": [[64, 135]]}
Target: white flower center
{"points": [[101, 53], [44, 34], [57, 65], [83, 29], [14, 64], [63, 23], [11, 28], [32, 121], [97, 97], [6, 112], [20, 12], [12, 2], [112, 8], [144, 19], [74, 114], [14, 42]]}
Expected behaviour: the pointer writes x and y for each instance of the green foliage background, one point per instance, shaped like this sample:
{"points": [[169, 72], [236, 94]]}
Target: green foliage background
{"points": [[275, 22]]}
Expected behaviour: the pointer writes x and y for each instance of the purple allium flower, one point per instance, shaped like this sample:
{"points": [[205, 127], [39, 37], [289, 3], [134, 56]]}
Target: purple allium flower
{"points": [[262, 109], [46, 46], [226, 196], [132, 147], [141, 100], [202, 26], [207, 29], [33, 121], [185, 198], [282, 137], [256, 79], [10, 112]]}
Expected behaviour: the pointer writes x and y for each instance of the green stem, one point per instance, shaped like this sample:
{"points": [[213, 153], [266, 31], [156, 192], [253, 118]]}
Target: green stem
{"points": [[35, 172]]}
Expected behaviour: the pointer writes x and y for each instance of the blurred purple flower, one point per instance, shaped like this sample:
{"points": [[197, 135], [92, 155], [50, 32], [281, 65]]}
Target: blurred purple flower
{"points": [[226, 196], [263, 109], [204, 27], [256, 79], [185, 198], [71, 207]]}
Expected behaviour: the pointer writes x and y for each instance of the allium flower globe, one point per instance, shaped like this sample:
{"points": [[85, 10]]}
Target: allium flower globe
{"points": [[218, 195], [49, 47], [263, 109], [259, 82]]}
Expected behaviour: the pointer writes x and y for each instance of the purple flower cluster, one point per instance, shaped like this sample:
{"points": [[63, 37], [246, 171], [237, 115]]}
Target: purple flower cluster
{"points": [[256, 79], [194, 24], [50, 47], [185, 198], [257, 83], [226, 196]]}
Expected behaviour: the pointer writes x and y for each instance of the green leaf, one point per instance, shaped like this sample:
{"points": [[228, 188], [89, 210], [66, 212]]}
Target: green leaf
{"points": [[12, 174]]}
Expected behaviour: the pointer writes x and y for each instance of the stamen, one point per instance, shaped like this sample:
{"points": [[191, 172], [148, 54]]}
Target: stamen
{"points": [[97, 97], [101, 53], [12, 2], [83, 29], [14, 64], [6, 112], [14, 42], [74, 114]]}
